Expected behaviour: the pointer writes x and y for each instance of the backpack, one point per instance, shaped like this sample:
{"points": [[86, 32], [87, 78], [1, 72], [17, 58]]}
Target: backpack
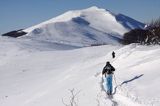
{"points": [[108, 69]]}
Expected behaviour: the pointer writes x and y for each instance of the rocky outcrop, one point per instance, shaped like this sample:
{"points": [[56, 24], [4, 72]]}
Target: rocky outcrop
{"points": [[15, 33]]}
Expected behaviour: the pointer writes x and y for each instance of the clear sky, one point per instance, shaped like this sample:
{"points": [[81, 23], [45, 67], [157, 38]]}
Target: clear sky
{"points": [[17, 14]]}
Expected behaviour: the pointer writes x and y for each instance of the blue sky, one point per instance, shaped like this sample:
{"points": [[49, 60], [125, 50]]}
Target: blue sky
{"points": [[16, 14]]}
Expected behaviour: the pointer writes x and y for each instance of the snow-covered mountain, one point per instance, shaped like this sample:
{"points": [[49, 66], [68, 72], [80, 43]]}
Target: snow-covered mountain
{"points": [[86, 27]]}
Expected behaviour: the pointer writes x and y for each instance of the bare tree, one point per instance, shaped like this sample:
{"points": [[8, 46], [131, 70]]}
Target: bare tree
{"points": [[148, 36], [154, 23], [73, 98]]}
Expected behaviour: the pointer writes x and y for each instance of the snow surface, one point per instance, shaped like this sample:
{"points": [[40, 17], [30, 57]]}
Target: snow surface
{"points": [[92, 26], [56, 58], [34, 73]]}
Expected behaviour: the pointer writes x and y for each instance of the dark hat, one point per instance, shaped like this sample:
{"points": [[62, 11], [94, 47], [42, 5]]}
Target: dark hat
{"points": [[107, 62]]}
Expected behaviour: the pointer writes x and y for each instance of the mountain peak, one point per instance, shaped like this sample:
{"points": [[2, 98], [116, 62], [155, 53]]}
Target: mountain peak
{"points": [[93, 8]]}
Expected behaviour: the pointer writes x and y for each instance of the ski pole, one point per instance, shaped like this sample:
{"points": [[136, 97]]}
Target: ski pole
{"points": [[115, 79]]}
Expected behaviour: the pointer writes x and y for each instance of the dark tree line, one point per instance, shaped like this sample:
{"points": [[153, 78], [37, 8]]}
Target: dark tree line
{"points": [[149, 35], [15, 33]]}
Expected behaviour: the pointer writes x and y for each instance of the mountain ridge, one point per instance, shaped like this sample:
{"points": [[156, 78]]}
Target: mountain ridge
{"points": [[86, 27]]}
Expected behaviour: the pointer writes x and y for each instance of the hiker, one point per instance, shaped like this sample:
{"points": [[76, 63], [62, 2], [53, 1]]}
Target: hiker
{"points": [[108, 72], [113, 54]]}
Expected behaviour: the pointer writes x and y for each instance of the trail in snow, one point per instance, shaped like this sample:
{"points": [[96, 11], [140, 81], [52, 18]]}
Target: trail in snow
{"points": [[111, 98], [118, 102], [125, 87], [128, 97]]}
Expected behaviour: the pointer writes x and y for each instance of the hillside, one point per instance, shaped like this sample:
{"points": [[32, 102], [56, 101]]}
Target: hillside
{"points": [[36, 75]]}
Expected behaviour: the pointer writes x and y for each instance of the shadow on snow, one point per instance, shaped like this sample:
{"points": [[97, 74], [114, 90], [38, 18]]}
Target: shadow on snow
{"points": [[125, 82]]}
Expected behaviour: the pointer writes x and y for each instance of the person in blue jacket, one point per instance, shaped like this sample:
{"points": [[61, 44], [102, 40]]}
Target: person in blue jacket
{"points": [[108, 71]]}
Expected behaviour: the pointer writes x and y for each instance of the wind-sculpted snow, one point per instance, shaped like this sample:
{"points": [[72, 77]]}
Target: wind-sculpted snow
{"points": [[37, 31], [80, 21], [74, 33]]}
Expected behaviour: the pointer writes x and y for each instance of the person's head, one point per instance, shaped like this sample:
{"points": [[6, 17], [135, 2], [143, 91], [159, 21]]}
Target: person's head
{"points": [[107, 62]]}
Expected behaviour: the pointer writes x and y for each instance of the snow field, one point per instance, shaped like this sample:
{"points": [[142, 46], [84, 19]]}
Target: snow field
{"points": [[33, 75]]}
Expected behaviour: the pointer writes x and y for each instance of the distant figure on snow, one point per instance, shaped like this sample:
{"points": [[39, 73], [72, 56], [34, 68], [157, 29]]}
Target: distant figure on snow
{"points": [[108, 72], [113, 54]]}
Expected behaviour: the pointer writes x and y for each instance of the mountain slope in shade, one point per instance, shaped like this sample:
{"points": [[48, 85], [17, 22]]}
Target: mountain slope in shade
{"points": [[86, 27]]}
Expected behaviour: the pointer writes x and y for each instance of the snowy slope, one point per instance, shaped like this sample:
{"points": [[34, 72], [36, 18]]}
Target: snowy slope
{"points": [[40, 75], [84, 27]]}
